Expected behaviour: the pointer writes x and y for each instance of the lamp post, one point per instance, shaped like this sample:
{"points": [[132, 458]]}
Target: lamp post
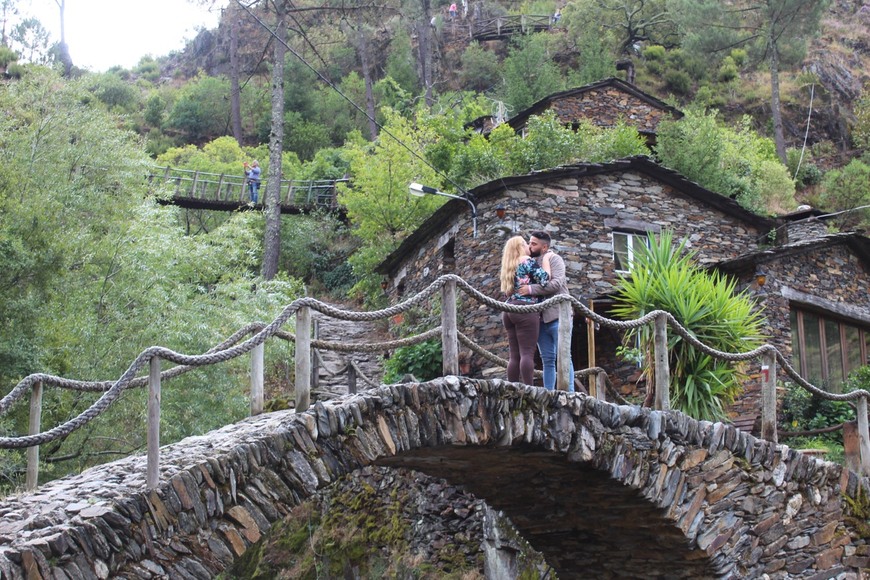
{"points": [[420, 190]]}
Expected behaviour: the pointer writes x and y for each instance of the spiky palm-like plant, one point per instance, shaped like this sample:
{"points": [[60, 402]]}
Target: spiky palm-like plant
{"points": [[666, 277]]}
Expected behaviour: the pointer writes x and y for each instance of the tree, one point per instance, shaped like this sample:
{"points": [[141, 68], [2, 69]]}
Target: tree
{"points": [[735, 162], [30, 38], [8, 11], [201, 110], [631, 21], [378, 205], [272, 234], [529, 72], [775, 31], [665, 277], [93, 271], [63, 48], [848, 190]]}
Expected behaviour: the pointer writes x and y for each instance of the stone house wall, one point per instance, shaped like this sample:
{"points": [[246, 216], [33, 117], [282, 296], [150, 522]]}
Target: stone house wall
{"points": [[580, 214], [605, 106], [832, 277]]}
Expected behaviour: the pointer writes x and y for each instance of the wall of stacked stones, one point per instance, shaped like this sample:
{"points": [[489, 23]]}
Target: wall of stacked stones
{"points": [[580, 214], [745, 506], [606, 106], [832, 275]]}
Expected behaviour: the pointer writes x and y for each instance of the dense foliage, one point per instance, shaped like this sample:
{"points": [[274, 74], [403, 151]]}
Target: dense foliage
{"points": [[94, 271]]}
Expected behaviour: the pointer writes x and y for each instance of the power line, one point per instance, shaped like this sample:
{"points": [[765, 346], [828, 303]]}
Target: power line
{"points": [[383, 129]]}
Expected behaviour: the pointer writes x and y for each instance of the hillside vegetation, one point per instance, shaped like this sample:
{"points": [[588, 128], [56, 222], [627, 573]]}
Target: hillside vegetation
{"points": [[94, 270]]}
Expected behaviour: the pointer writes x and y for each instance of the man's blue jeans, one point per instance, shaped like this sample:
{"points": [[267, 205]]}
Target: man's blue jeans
{"points": [[548, 341]]}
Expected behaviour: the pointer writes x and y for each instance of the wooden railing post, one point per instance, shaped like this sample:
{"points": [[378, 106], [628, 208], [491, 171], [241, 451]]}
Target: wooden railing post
{"points": [[449, 336], [32, 478], [768, 397], [315, 356], [351, 378], [662, 364], [601, 386], [220, 185], [303, 359], [257, 364], [563, 348], [863, 436], [153, 469]]}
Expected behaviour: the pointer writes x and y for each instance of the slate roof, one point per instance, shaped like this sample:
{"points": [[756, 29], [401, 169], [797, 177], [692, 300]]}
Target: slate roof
{"points": [[521, 118], [436, 223], [859, 244]]}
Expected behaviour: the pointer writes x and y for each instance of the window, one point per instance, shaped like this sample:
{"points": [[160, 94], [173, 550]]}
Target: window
{"points": [[827, 349], [624, 246]]}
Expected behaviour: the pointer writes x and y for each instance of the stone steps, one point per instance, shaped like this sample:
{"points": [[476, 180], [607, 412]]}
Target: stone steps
{"points": [[330, 384]]}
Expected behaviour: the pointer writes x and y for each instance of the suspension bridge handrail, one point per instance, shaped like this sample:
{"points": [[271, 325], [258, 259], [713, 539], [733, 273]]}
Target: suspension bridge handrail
{"points": [[447, 285], [204, 186]]}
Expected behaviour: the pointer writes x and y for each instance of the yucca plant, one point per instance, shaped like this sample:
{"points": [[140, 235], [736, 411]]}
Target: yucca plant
{"points": [[666, 277]]}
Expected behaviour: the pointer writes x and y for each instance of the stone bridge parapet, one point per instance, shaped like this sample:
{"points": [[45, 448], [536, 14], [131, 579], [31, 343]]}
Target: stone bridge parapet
{"points": [[623, 490]]}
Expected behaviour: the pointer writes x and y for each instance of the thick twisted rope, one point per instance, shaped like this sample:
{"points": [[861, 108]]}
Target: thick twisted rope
{"points": [[229, 349]]}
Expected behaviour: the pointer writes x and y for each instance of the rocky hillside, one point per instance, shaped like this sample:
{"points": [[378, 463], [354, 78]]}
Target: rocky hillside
{"points": [[838, 60]]}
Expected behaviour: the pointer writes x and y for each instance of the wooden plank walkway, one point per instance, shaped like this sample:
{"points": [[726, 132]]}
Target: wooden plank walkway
{"points": [[222, 192]]}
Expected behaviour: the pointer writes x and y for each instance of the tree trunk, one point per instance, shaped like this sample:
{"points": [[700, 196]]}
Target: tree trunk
{"points": [[63, 49], [776, 112], [272, 237], [424, 49], [235, 90], [365, 60]]}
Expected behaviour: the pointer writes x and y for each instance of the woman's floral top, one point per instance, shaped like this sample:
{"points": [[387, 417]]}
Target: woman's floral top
{"points": [[528, 272]]}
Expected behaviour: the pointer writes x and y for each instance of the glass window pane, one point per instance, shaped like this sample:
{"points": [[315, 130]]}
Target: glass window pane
{"points": [[795, 341], [853, 348], [813, 345], [834, 355], [620, 251]]}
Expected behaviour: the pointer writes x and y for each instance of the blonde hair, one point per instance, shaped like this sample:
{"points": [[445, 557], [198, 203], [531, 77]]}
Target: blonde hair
{"points": [[513, 255]]}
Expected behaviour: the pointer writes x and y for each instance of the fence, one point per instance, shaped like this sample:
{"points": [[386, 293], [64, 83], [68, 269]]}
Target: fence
{"points": [[232, 189], [447, 285]]}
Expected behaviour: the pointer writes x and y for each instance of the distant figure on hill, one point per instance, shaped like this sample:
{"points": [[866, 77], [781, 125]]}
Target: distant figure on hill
{"points": [[557, 16], [453, 11], [252, 173]]}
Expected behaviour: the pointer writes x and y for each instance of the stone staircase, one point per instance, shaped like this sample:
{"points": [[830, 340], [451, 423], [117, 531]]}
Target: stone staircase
{"points": [[330, 382]]}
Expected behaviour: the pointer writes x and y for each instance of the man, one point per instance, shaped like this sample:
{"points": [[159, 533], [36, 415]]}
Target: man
{"points": [[548, 339]]}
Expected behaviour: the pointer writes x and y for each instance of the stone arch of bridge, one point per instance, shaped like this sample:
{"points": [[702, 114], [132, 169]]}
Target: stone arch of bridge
{"points": [[626, 491], [621, 490]]}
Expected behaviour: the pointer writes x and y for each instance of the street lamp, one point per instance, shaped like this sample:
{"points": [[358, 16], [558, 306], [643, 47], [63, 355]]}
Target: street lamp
{"points": [[420, 190]]}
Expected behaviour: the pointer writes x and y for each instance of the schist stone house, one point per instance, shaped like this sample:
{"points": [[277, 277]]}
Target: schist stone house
{"points": [[815, 294], [603, 103]]}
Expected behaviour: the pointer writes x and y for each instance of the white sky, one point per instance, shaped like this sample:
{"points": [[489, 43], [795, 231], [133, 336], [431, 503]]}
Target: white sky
{"points": [[105, 33]]}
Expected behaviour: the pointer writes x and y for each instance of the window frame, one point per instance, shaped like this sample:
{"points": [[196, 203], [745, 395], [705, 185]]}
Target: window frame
{"points": [[798, 329], [630, 235]]}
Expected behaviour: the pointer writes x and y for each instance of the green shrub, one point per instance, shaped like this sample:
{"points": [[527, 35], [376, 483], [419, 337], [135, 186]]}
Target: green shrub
{"points": [[654, 52], [421, 360], [738, 55], [340, 279], [7, 56], [727, 70], [665, 276], [678, 81], [804, 411], [807, 173]]}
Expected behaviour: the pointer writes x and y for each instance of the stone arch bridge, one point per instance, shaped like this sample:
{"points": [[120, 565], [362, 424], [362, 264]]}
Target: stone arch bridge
{"points": [[622, 491]]}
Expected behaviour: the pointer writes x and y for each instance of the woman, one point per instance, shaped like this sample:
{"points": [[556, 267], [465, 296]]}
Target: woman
{"points": [[252, 172], [518, 268]]}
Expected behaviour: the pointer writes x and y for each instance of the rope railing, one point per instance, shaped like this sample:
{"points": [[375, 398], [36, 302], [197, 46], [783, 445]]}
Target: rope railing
{"points": [[234, 346]]}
